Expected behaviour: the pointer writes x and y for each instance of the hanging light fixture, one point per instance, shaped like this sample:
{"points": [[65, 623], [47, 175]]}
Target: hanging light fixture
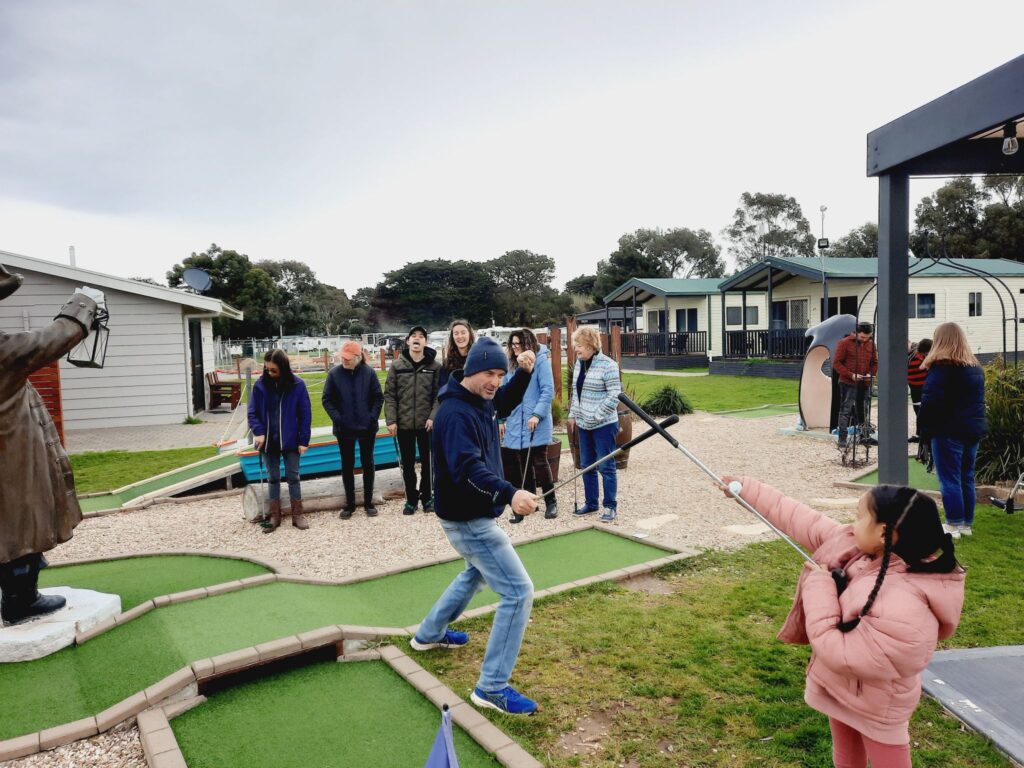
{"points": [[1010, 143], [91, 352]]}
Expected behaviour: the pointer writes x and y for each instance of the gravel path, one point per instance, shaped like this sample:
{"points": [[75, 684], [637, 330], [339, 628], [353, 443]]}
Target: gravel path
{"points": [[660, 492]]}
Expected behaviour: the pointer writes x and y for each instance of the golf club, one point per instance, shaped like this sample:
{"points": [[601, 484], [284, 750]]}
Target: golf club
{"points": [[635, 441], [734, 487]]}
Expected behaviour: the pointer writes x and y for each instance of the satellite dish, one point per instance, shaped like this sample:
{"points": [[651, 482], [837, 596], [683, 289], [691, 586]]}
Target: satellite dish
{"points": [[197, 279]]}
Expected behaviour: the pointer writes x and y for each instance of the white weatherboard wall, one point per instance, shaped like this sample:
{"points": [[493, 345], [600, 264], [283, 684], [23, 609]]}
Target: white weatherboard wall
{"points": [[144, 381], [700, 303]]}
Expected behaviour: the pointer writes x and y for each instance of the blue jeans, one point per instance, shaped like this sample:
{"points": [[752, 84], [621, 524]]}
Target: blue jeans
{"points": [[954, 465], [272, 457], [595, 443], [490, 559]]}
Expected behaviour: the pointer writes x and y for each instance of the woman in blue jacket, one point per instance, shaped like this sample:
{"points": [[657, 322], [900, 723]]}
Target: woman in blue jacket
{"points": [[280, 419], [528, 427], [953, 418]]}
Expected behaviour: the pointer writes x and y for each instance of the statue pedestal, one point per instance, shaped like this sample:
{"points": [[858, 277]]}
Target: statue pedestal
{"points": [[41, 637]]}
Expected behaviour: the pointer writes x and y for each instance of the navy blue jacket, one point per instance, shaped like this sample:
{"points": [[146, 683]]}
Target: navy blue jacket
{"points": [[293, 419], [468, 479], [353, 399], [953, 403]]}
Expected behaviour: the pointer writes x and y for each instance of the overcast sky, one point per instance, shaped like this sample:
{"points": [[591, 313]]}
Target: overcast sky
{"points": [[358, 136]]}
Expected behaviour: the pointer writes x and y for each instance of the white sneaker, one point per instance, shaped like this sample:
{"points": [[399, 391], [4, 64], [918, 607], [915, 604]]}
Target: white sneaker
{"points": [[952, 530], [965, 530]]}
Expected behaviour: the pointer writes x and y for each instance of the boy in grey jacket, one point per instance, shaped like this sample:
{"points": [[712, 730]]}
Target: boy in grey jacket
{"points": [[410, 403]]}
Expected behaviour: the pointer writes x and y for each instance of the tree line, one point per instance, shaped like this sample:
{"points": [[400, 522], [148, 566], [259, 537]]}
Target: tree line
{"points": [[963, 219]]}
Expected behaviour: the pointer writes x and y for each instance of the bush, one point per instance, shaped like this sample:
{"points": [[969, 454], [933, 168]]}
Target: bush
{"points": [[1001, 453], [666, 401], [557, 412]]}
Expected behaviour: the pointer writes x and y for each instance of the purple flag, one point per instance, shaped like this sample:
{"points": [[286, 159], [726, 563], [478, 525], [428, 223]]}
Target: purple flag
{"points": [[442, 754]]}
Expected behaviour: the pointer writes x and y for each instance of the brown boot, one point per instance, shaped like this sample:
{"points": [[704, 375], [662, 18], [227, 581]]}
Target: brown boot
{"points": [[275, 515], [298, 519]]}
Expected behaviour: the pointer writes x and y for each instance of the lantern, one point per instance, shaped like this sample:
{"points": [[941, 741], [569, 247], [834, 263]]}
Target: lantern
{"points": [[92, 350]]}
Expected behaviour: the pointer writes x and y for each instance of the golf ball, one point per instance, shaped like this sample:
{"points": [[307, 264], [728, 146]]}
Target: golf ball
{"points": [[735, 487]]}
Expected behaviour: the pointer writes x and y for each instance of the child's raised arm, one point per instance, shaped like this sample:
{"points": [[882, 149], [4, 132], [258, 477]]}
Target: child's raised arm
{"points": [[808, 526]]}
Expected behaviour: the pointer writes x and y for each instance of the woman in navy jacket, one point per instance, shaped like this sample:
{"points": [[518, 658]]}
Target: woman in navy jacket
{"points": [[280, 418], [953, 419]]}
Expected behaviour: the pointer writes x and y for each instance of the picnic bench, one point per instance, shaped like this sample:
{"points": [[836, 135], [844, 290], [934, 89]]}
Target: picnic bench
{"points": [[223, 391]]}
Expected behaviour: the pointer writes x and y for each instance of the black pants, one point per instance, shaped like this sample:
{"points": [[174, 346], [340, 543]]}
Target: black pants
{"points": [[532, 471], [852, 407], [347, 446], [408, 441]]}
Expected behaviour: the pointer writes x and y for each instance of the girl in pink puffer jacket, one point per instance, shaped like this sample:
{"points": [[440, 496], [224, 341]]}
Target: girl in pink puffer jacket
{"points": [[870, 643]]}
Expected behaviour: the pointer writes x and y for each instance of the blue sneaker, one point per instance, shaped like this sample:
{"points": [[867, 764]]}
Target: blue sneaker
{"points": [[507, 700], [452, 639], [584, 510], [609, 515]]}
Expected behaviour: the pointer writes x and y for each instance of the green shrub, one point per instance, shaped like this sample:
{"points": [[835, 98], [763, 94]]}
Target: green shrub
{"points": [[666, 401], [557, 412], [1001, 453], [192, 420]]}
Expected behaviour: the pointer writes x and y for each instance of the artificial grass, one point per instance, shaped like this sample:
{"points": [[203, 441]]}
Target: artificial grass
{"points": [[697, 677], [917, 477], [138, 579], [97, 471], [359, 713], [762, 412], [716, 393], [83, 680]]}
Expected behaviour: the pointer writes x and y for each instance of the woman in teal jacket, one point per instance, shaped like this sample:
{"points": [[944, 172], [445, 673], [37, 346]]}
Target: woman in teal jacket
{"points": [[528, 427]]}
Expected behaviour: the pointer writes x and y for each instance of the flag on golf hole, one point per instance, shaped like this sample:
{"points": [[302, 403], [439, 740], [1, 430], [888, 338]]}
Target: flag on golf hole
{"points": [[442, 754]]}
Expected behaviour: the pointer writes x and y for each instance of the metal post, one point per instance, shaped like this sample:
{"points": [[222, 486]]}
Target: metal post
{"points": [[892, 331], [824, 279], [771, 310], [634, 309], [723, 325]]}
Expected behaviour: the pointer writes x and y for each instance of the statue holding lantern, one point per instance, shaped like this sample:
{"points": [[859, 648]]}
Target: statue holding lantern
{"points": [[38, 505]]}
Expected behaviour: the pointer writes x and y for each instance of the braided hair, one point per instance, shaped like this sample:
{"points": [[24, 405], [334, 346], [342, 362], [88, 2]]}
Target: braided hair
{"points": [[915, 517]]}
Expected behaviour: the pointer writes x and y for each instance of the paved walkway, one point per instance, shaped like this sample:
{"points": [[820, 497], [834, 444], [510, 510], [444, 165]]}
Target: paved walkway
{"points": [[159, 437]]}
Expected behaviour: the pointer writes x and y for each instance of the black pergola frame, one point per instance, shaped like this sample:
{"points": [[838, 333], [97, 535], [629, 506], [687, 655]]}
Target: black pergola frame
{"points": [[944, 137]]}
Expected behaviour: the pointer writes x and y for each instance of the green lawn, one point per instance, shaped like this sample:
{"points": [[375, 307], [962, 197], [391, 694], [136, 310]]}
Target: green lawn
{"points": [[83, 680], [717, 393], [917, 477], [700, 670], [97, 471], [361, 713]]}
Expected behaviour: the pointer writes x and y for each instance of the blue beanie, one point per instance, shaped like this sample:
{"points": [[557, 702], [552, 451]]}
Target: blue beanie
{"points": [[484, 355]]}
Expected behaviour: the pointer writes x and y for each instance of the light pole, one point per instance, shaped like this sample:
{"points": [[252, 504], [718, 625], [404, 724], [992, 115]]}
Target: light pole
{"points": [[822, 245]]}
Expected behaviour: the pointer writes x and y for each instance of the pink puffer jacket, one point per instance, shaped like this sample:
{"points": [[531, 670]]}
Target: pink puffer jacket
{"points": [[869, 677]]}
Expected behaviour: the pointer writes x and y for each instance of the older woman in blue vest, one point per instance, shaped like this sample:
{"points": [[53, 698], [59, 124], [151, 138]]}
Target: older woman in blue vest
{"points": [[528, 427]]}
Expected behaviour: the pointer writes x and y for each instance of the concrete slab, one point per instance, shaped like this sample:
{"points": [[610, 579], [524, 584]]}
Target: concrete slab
{"points": [[35, 639], [653, 523], [984, 687]]}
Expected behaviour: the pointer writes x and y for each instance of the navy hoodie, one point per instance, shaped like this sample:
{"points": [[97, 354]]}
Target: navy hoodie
{"points": [[953, 403], [353, 399], [468, 479]]}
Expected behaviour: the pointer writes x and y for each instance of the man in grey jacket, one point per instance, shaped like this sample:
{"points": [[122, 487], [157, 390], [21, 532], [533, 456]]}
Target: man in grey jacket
{"points": [[410, 403]]}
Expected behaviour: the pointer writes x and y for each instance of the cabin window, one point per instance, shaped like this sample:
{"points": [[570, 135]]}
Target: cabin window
{"points": [[921, 305], [974, 304]]}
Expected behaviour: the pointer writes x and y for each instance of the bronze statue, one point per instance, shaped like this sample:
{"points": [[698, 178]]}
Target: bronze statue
{"points": [[38, 505]]}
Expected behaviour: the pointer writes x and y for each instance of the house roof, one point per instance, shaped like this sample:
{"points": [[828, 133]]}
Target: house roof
{"points": [[755, 277], [648, 287], [14, 262], [617, 313]]}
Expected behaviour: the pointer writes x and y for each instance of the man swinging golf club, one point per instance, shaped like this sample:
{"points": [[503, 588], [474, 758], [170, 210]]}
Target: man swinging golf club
{"points": [[470, 494]]}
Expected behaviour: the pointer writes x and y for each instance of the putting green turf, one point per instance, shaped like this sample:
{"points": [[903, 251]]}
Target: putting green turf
{"points": [[762, 412], [83, 680], [359, 713], [917, 477], [138, 579]]}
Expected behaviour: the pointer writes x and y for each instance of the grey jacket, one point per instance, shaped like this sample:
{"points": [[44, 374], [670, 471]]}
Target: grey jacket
{"points": [[410, 393]]}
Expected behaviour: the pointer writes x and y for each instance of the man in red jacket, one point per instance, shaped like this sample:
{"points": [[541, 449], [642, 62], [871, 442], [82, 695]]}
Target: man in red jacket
{"points": [[856, 362]]}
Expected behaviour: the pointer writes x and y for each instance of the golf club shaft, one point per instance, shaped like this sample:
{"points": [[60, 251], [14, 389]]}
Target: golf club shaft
{"points": [[625, 400], [635, 441]]}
